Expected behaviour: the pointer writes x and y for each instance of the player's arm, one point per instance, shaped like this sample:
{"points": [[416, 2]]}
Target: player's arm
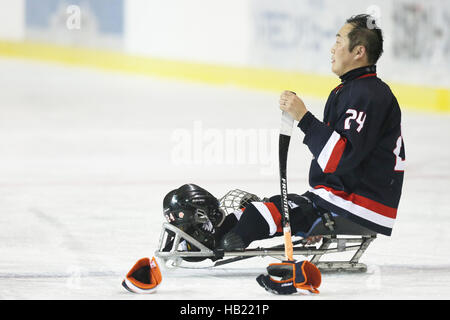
{"points": [[341, 148]]}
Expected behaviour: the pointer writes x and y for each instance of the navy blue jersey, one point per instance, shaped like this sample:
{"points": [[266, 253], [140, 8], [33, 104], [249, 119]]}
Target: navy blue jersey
{"points": [[358, 149]]}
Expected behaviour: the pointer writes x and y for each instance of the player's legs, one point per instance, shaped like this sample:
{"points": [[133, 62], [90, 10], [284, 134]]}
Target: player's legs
{"points": [[262, 220]]}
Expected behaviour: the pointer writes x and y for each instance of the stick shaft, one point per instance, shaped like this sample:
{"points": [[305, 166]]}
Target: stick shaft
{"points": [[285, 138]]}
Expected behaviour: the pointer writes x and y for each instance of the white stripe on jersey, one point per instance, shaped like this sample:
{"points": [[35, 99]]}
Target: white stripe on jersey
{"points": [[327, 150], [354, 208]]}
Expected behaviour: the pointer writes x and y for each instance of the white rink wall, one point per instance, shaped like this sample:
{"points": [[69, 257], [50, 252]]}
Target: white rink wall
{"points": [[291, 34], [12, 16], [217, 32], [294, 35]]}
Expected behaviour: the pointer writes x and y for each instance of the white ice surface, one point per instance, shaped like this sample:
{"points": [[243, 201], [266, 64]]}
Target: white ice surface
{"points": [[87, 156]]}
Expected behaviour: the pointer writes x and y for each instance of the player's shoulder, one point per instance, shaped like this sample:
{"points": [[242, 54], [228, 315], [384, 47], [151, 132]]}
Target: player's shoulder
{"points": [[371, 89]]}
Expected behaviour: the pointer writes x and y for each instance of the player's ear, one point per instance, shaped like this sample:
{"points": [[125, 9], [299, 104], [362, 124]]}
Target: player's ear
{"points": [[360, 52]]}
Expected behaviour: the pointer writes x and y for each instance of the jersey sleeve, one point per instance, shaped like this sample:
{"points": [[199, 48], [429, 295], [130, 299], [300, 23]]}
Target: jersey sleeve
{"points": [[355, 132]]}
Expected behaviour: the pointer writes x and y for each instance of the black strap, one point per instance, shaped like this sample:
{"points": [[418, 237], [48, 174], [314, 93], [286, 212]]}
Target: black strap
{"points": [[327, 218]]}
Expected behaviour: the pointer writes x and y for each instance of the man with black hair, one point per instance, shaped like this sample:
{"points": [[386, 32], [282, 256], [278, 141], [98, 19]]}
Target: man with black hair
{"points": [[359, 43], [358, 151]]}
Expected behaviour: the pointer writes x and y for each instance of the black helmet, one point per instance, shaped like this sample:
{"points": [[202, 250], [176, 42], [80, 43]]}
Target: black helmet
{"points": [[190, 205], [195, 211]]}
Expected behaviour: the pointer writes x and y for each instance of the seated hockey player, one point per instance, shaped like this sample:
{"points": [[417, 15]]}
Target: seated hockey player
{"points": [[358, 153]]}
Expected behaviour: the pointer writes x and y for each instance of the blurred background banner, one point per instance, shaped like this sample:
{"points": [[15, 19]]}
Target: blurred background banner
{"points": [[87, 23], [260, 44], [298, 35]]}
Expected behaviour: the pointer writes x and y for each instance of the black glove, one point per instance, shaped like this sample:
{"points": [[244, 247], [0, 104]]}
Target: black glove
{"points": [[301, 275]]}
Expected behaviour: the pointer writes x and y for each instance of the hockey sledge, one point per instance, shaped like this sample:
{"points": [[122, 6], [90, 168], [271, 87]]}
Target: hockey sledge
{"points": [[339, 235]]}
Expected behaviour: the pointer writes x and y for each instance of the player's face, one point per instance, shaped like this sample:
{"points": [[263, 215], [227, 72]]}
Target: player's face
{"points": [[341, 58]]}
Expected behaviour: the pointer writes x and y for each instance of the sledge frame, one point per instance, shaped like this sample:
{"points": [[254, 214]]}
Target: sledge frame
{"points": [[348, 236]]}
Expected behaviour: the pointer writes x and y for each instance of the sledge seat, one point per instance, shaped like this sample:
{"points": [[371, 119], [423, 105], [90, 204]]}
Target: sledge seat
{"points": [[342, 226], [345, 235]]}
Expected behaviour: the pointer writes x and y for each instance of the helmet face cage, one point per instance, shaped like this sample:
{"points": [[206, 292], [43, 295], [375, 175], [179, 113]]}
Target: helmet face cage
{"points": [[236, 199]]}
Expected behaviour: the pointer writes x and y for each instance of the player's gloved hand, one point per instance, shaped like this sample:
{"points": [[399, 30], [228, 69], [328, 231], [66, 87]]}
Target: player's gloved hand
{"points": [[144, 277], [302, 275]]}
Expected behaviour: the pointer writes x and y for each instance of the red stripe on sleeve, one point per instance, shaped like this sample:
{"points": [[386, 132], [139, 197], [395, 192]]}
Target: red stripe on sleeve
{"points": [[336, 156]]}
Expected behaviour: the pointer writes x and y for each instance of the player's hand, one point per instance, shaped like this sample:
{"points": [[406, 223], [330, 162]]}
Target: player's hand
{"points": [[293, 105]]}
